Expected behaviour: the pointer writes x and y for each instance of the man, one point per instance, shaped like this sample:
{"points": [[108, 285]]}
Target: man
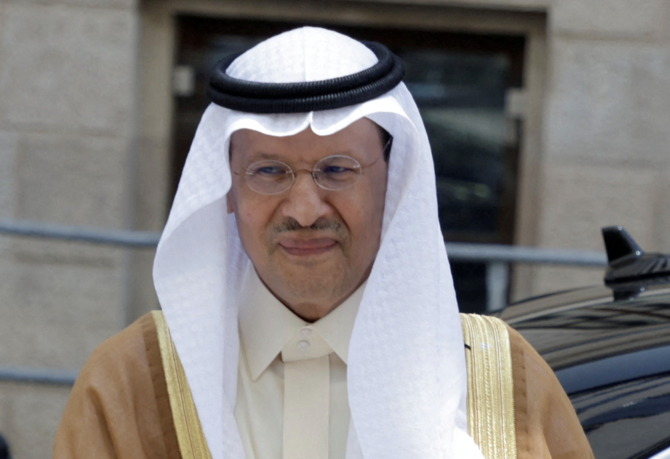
{"points": [[318, 319]]}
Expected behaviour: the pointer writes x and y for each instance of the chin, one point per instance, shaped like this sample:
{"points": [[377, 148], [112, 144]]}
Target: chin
{"points": [[317, 289], [313, 286]]}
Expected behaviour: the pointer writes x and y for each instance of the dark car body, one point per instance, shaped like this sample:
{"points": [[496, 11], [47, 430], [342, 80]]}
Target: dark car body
{"points": [[610, 348]]}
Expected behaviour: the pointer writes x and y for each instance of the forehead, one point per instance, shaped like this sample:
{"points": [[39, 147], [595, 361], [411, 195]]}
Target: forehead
{"points": [[356, 140]]}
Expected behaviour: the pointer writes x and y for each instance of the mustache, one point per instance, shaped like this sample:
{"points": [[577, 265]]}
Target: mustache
{"points": [[292, 224]]}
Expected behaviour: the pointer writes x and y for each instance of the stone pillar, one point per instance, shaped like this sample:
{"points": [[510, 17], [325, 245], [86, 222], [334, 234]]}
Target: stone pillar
{"points": [[606, 157], [67, 78]]}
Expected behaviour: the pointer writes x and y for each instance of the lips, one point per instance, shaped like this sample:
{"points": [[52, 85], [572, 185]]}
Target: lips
{"points": [[307, 247]]}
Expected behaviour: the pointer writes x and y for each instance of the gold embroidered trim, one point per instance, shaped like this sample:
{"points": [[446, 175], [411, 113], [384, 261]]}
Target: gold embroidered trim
{"points": [[192, 442], [488, 358]]}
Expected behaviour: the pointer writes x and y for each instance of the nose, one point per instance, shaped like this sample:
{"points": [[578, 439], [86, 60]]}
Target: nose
{"points": [[305, 200]]}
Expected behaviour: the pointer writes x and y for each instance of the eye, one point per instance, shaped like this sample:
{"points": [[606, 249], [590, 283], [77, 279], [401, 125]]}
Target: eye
{"points": [[338, 167], [267, 169], [335, 170]]}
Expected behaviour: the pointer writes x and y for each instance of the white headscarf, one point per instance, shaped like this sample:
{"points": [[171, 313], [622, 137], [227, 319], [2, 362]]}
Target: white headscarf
{"points": [[406, 371]]}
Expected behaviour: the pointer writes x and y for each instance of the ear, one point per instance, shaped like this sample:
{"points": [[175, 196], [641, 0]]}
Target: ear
{"points": [[229, 203]]}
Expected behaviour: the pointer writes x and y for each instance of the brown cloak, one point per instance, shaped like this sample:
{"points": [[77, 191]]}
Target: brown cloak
{"points": [[120, 408]]}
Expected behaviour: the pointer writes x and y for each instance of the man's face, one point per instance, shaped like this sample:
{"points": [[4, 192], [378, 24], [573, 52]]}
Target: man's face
{"points": [[312, 247]]}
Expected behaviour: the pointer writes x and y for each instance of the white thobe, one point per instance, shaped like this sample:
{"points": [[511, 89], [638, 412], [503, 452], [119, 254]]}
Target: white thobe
{"points": [[287, 362]]}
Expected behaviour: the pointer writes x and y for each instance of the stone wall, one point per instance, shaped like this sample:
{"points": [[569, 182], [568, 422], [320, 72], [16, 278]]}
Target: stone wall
{"points": [[606, 157], [67, 71]]}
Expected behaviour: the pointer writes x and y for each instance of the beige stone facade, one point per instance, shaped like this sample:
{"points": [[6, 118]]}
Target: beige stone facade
{"points": [[606, 149], [67, 97], [85, 124]]}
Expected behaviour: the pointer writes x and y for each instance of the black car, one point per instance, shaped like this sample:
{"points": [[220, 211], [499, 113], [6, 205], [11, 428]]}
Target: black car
{"points": [[4, 448], [610, 348]]}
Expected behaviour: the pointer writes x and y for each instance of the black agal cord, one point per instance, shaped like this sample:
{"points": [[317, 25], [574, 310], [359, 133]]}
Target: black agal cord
{"points": [[252, 97]]}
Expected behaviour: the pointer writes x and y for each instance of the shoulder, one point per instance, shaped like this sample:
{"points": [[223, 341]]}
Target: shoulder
{"points": [[547, 425], [119, 406], [121, 364], [127, 350], [492, 329], [545, 422]]}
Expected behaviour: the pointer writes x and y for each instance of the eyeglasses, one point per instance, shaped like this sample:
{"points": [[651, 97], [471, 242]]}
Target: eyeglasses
{"points": [[333, 173]]}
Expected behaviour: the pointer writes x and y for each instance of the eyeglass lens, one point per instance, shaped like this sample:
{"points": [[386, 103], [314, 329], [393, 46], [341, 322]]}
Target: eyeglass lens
{"points": [[331, 173]]}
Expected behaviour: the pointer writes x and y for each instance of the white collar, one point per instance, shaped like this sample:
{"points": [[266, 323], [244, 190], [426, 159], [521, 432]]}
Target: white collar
{"points": [[266, 324]]}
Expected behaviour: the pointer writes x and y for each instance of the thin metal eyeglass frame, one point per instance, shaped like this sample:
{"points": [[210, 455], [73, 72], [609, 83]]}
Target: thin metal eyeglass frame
{"points": [[313, 172]]}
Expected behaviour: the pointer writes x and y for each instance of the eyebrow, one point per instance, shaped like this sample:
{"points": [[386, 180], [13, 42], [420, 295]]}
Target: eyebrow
{"points": [[259, 156], [263, 155]]}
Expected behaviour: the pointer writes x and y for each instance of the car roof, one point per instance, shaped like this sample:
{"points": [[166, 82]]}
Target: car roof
{"points": [[612, 356], [577, 331], [610, 348]]}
